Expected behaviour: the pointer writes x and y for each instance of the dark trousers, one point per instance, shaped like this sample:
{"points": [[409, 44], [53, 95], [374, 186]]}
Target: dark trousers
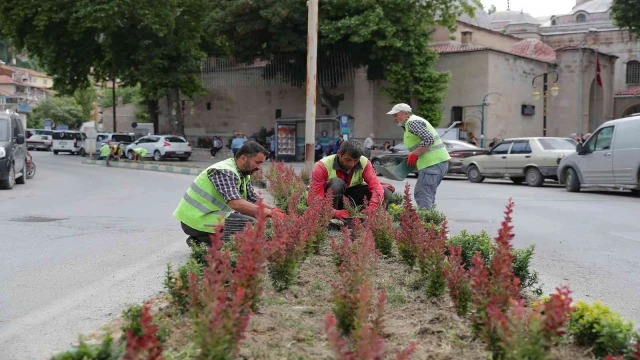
{"points": [[233, 224], [356, 194]]}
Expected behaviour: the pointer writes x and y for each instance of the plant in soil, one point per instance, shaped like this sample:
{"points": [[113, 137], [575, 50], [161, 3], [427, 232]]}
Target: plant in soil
{"points": [[431, 216], [283, 183], [177, 283], [134, 318], [106, 350], [458, 281], [411, 232], [141, 339], [432, 259], [381, 225]]}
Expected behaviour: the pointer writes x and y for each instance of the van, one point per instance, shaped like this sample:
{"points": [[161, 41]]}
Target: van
{"points": [[69, 141], [610, 158], [13, 151], [123, 139]]}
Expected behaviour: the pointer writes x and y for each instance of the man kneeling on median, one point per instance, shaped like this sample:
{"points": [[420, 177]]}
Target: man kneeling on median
{"points": [[349, 174], [222, 194]]}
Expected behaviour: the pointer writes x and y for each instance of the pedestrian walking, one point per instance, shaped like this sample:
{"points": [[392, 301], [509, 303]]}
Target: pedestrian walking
{"points": [[216, 146], [428, 153], [223, 195]]}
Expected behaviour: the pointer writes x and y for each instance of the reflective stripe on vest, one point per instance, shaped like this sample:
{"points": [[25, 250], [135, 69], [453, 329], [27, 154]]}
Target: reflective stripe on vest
{"points": [[202, 207], [356, 178], [436, 153]]}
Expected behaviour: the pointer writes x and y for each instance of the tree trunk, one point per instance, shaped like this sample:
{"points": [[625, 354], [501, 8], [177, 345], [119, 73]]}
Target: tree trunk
{"points": [[152, 107], [329, 100], [177, 120]]}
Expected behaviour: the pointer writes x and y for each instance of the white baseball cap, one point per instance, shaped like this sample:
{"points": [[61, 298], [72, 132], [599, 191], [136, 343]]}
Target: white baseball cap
{"points": [[399, 107]]}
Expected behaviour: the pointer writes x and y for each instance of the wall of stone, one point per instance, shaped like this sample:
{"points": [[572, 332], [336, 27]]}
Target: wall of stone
{"points": [[625, 104], [125, 116]]}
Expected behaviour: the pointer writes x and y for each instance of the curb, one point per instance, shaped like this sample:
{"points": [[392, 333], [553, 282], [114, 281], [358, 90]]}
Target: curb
{"points": [[147, 166]]}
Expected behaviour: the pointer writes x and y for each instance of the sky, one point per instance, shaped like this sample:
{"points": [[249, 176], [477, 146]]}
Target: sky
{"points": [[535, 8]]}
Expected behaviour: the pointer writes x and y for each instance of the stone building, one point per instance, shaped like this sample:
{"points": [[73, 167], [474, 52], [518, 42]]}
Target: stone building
{"points": [[492, 57]]}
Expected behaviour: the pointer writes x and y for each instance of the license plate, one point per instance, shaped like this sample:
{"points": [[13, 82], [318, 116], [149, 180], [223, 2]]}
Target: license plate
{"points": [[63, 143], [179, 152]]}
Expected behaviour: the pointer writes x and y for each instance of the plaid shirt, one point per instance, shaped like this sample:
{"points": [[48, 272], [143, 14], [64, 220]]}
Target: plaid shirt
{"points": [[419, 129], [227, 183]]}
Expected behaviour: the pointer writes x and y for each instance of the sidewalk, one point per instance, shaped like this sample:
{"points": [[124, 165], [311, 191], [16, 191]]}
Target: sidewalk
{"points": [[201, 158]]}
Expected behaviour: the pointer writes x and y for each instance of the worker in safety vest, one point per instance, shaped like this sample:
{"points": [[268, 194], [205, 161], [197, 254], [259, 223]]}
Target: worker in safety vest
{"points": [[116, 152], [350, 174], [428, 154], [105, 152], [138, 153], [223, 195]]}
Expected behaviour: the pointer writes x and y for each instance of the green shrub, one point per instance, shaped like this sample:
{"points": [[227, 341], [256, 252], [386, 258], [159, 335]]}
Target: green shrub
{"points": [[598, 327], [283, 275], [395, 211], [431, 215], [383, 239], [394, 199], [133, 317], [199, 252], [84, 351], [177, 283], [522, 269]]}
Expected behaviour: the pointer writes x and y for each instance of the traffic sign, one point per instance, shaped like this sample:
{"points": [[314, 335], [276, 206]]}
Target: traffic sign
{"points": [[48, 124]]}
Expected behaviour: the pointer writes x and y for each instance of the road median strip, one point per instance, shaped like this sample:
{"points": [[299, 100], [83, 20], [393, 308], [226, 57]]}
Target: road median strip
{"points": [[147, 166]]}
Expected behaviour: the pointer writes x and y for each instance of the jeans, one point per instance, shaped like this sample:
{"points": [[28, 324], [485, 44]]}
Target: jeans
{"points": [[429, 179], [233, 224], [356, 194]]}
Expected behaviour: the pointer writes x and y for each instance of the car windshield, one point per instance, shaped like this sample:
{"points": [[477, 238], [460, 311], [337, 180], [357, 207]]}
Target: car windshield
{"points": [[63, 136], [558, 144], [174, 139], [4, 130], [400, 147], [122, 138]]}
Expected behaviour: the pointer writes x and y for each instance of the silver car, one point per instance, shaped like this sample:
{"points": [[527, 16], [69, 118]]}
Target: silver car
{"points": [[610, 158]]}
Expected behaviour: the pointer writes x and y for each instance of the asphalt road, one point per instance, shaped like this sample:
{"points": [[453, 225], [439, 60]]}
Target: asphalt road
{"points": [[79, 243]]}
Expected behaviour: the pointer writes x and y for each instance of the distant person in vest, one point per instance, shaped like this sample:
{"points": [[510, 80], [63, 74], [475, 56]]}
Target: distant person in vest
{"points": [[349, 174], [223, 194], [428, 154], [105, 152]]}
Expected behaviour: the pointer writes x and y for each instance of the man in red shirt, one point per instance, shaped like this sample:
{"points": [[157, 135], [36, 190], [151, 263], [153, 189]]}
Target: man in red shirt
{"points": [[349, 174]]}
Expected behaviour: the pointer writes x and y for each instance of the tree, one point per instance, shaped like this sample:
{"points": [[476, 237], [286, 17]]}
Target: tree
{"points": [[389, 37], [60, 110], [86, 98], [492, 10], [626, 14]]}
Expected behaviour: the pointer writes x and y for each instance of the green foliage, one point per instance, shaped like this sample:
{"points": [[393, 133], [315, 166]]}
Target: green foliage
{"points": [[133, 316], [283, 274], [383, 239], [431, 216], [35, 123], [598, 327], [626, 14], [395, 211], [60, 110], [85, 99], [105, 351], [177, 283], [394, 199], [128, 94], [198, 252], [522, 269]]}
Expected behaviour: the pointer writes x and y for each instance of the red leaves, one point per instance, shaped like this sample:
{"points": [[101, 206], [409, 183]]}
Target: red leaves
{"points": [[410, 233], [283, 182], [458, 281], [145, 346], [556, 312]]}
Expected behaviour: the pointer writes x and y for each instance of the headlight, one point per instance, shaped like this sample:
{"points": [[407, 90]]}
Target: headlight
{"points": [[3, 153]]}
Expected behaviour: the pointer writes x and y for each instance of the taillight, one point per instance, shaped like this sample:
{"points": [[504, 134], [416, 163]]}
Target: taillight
{"points": [[166, 144], [456, 155], [189, 144]]}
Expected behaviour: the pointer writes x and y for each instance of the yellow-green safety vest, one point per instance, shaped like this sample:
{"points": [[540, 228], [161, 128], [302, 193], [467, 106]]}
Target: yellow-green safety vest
{"points": [[105, 150], [140, 151], [203, 207], [356, 178], [437, 152]]}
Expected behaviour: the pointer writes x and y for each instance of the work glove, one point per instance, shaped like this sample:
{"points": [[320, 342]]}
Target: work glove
{"points": [[412, 159], [341, 214], [275, 212]]}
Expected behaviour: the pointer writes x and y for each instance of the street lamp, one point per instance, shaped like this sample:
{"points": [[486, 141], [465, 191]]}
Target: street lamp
{"points": [[555, 90], [484, 103]]}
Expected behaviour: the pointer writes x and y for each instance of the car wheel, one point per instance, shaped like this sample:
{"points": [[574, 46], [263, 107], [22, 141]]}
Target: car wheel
{"points": [[55, 152], [474, 175], [11, 180], [572, 181], [157, 156], [517, 180], [534, 177], [31, 171], [130, 155]]}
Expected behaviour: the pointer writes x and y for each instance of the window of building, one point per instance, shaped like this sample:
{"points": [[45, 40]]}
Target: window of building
{"points": [[554, 21], [581, 18], [633, 72]]}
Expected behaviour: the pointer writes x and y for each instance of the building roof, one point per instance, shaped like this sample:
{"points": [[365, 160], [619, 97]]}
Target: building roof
{"points": [[4, 79], [534, 48], [445, 49], [633, 91], [593, 6], [4, 93], [28, 71], [512, 17], [480, 17]]}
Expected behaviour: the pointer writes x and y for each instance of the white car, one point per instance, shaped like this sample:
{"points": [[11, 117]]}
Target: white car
{"points": [[162, 146], [70, 141], [123, 139], [39, 142]]}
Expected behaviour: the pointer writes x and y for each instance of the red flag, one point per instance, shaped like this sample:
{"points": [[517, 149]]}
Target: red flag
{"points": [[598, 78]]}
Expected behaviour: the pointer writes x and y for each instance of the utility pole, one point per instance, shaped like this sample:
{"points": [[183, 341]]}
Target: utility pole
{"points": [[312, 68], [115, 105]]}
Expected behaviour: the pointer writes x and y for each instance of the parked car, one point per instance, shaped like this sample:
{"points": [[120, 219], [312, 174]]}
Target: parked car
{"points": [[162, 146], [13, 151], [530, 160], [70, 141], [39, 142], [123, 139], [610, 158], [458, 150]]}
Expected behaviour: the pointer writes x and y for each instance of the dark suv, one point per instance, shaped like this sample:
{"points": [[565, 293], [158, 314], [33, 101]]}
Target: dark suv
{"points": [[13, 151]]}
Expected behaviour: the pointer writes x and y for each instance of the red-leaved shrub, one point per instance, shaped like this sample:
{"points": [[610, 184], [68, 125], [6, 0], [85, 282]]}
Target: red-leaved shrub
{"points": [[284, 183], [381, 224], [316, 220], [432, 259], [458, 281], [366, 342], [145, 346], [411, 231]]}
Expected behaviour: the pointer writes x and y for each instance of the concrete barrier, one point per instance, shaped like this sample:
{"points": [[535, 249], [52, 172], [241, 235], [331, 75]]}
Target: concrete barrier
{"points": [[149, 166]]}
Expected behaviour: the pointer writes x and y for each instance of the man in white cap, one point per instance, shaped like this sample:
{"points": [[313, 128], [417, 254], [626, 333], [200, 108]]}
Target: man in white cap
{"points": [[428, 153]]}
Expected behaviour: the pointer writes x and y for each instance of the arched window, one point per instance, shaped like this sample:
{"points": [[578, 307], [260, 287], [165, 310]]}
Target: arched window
{"points": [[633, 72], [581, 18], [554, 20]]}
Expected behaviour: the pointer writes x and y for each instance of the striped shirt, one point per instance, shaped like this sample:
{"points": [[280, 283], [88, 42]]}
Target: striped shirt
{"points": [[226, 182], [419, 129]]}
